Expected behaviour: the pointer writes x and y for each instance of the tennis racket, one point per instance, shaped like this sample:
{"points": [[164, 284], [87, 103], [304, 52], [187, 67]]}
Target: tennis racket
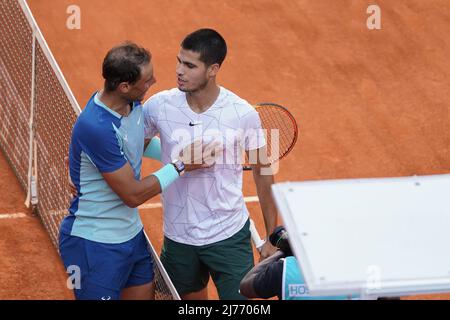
{"points": [[280, 128]]}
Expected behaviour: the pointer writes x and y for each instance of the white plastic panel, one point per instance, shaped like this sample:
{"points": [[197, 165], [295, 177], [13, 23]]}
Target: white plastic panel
{"points": [[377, 237]]}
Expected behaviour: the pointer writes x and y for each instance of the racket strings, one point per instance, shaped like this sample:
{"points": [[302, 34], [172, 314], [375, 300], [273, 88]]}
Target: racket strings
{"points": [[274, 117]]}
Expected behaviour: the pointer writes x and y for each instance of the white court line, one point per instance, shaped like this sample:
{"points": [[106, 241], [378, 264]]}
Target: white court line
{"points": [[17, 215], [150, 205], [159, 204]]}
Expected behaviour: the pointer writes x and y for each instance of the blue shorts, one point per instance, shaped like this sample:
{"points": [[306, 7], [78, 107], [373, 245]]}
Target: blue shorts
{"points": [[105, 269]]}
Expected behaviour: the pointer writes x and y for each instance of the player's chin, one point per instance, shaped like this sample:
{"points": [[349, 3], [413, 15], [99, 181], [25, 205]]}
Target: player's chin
{"points": [[183, 88]]}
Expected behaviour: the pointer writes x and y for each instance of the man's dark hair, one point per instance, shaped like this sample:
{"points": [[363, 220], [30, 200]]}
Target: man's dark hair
{"points": [[123, 64], [209, 43]]}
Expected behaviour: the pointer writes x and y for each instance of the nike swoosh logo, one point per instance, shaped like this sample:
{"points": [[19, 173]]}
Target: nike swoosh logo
{"points": [[194, 124]]}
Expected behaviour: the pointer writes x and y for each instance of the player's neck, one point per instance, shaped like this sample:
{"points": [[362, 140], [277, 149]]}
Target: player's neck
{"points": [[114, 102], [201, 100]]}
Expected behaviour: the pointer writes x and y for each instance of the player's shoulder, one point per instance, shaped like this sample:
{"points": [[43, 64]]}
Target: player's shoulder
{"points": [[95, 122], [164, 96], [161, 100], [241, 105], [229, 96]]}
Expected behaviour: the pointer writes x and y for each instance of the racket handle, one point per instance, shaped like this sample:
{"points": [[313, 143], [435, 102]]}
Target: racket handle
{"points": [[256, 239]]}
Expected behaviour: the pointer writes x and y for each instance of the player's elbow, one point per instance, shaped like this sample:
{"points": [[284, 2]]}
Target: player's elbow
{"points": [[243, 288], [130, 203], [246, 287]]}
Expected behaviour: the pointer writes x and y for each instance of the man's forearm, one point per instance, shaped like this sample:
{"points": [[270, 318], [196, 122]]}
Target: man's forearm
{"points": [[144, 190], [135, 192], [247, 286], [263, 188]]}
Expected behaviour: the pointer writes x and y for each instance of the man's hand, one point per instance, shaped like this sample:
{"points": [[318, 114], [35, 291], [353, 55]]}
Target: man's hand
{"points": [[198, 155], [267, 250], [72, 188]]}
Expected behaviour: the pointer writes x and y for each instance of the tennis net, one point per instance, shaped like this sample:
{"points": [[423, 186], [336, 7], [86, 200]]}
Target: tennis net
{"points": [[37, 112]]}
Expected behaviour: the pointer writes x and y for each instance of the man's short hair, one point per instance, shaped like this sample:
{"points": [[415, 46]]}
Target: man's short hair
{"points": [[209, 43], [123, 64]]}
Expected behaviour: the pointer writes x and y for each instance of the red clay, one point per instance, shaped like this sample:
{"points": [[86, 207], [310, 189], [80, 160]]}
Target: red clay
{"points": [[369, 103], [30, 266]]}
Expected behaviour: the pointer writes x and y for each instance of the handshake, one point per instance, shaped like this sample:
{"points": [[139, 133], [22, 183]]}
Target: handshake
{"points": [[199, 154]]}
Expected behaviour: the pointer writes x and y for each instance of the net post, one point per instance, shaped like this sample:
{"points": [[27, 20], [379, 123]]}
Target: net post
{"points": [[31, 182], [34, 181]]}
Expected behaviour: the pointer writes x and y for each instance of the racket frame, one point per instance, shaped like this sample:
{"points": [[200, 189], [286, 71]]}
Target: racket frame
{"points": [[291, 117]]}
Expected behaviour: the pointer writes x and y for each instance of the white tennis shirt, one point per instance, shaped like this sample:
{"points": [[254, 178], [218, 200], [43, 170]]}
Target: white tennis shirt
{"points": [[207, 205]]}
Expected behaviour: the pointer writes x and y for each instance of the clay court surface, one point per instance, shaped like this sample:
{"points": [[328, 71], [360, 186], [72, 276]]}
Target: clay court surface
{"points": [[369, 103]]}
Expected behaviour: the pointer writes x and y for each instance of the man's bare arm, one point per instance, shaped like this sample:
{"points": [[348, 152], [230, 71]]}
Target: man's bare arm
{"points": [[247, 286], [132, 192], [264, 181]]}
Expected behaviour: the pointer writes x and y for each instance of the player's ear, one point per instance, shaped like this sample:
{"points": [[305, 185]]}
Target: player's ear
{"points": [[123, 87], [213, 69]]}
